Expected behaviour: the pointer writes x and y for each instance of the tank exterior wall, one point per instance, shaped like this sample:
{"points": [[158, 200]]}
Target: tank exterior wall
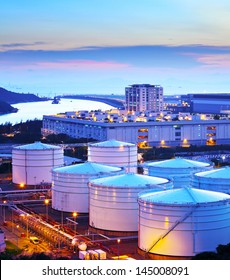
{"points": [[113, 209], [212, 184], [201, 228], [32, 167], [124, 156]]}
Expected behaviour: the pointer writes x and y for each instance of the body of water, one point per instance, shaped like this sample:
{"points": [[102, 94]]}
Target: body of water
{"points": [[36, 110]]}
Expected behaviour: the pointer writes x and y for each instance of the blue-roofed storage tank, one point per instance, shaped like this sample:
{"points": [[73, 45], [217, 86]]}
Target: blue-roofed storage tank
{"points": [[32, 163], [70, 185], [180, 223], [179, 170], [113, 200], [116, 153], [214, 180]]}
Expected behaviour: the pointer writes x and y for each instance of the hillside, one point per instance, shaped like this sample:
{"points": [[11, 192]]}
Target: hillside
{"points": [[13, 97], [6, 108]]}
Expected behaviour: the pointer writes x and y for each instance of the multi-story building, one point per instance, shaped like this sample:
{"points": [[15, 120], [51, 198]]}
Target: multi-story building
{"points": [[144, 97], [158, 130]]}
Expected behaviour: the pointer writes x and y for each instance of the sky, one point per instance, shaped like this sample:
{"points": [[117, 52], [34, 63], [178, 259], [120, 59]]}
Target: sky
{"points": [[102, 46]]}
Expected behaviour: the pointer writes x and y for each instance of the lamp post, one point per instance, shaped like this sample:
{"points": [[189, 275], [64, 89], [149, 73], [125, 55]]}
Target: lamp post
{"points": [[4, 211], [62, 218], [35, 182], [75, 224], [46, 201], [118, 248]]}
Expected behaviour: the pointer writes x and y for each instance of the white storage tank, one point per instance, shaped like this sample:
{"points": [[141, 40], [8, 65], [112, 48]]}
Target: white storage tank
{"points": [[214, 180], [113, 200], [32, 163], [179, 170], [181, 223], [70, 185], [115, 153]]}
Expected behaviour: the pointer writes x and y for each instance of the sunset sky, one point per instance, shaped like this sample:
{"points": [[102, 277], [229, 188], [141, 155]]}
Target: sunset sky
{"points": [[102, 46]]}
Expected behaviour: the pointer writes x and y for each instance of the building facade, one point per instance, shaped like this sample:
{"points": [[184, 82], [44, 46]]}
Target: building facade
{"points": [[208, 103], [142, 97], [153, 133]]}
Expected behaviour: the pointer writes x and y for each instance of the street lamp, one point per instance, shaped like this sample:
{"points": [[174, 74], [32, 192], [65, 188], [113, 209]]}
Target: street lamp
{"points": [[4, 211], [118, 248], [46, 201], [75, 224]]}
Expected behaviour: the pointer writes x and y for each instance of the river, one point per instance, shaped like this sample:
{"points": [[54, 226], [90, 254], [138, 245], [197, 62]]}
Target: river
{"points": [[36, 110]]}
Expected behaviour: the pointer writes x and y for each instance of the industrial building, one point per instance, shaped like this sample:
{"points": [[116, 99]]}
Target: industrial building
{"points": [[207, 103], [141, 130]]}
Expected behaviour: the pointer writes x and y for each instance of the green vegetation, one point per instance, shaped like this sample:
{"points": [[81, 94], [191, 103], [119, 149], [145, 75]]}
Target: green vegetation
{"points": [[222, 253], [156, 153], [26, 132], [11, 251]]}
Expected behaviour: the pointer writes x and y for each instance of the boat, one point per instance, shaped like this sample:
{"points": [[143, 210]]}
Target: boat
{"points": [[56, 100]]}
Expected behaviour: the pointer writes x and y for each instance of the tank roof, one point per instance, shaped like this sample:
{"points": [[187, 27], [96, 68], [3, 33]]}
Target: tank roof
{"points": [[221, 173], [37, 146], [87, 168], [111, 143], [183, 196], [178, 163], [130, 180]]}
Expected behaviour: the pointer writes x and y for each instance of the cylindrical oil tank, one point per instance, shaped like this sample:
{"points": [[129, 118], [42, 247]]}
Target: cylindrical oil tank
{"points": [[181, 223], [32, 163], [179, 170], [70, 185], [213, 180], [115, 153], [113, 200]]}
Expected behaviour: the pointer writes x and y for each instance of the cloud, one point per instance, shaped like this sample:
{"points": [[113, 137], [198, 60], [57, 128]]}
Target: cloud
{"points": [[20, 45], [215, 60], [82, 64]]}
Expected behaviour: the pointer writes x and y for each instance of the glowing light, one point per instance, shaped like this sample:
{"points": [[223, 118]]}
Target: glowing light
{"points": [[46, 201], [22, 185], [74, 214]]}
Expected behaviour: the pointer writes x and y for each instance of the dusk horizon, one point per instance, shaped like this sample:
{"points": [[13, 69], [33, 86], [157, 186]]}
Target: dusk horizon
{"points": [[101, 47]]}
